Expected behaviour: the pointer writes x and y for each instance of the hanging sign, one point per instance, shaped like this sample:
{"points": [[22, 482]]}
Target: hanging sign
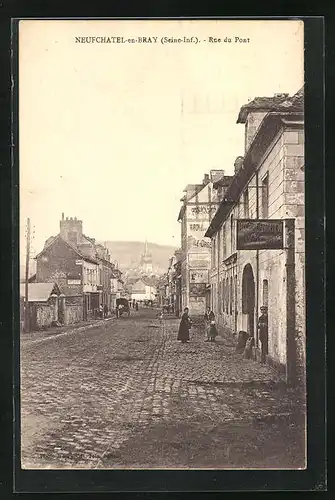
{"points": [[259, 234]]}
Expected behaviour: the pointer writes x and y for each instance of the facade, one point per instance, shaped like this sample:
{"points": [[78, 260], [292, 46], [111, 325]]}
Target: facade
{"points": [[45, 305], [116, 286], [81, 268], [200, 203], [263, 264], [143, 290]]}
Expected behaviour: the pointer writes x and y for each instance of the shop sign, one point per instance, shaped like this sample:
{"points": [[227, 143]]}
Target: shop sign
{"points": [[73, 282], [260, 234], [197, 289], [199, 276]]}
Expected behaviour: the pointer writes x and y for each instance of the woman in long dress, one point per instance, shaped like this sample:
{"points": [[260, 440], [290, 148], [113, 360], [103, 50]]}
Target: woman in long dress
{"points": [[184, 327]]}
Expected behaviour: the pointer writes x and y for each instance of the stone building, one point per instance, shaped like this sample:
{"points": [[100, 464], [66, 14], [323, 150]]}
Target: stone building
{"points": [[200, 203], [257, 233]]}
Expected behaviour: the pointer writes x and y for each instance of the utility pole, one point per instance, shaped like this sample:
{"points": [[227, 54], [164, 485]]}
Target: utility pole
{"points": [[26, 305]]}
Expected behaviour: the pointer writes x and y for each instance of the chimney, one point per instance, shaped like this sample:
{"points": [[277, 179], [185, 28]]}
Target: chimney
{"points": [[216, 175], [238, 164], [62, 215], [206, 180], [71, 229]]}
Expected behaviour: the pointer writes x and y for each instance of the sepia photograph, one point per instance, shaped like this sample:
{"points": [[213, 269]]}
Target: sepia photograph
{"points": [[162, 244]]}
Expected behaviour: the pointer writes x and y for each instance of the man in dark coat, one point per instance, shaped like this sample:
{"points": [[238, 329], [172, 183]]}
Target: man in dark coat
{"points": [[263, 331], [184, 327]]}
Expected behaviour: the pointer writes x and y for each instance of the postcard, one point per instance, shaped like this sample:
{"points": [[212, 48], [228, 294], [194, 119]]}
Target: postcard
{"points": [[162, 244]]}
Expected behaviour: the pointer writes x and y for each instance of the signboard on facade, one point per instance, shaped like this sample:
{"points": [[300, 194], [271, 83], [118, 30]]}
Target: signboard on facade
{"points": [[74, 282], [198, 261], [197, 289], [259, 234], [199, 276]]}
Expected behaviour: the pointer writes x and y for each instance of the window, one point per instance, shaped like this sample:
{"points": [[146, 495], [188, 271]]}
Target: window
{"points": [[231, 234], [265, 293], [224, 241], [246, 203], [227, 295], [265, 197], [235, 295], [231, 296], [223, 296]]}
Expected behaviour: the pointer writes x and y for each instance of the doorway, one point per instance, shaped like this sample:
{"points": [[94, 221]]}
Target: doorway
{"points": [[248, 298]]}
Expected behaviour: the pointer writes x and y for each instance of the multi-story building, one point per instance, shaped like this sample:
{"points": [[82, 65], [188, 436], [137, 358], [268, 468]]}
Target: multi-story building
{"points": [[257, 233], [200, 203], [81, 268], [116, 286]]}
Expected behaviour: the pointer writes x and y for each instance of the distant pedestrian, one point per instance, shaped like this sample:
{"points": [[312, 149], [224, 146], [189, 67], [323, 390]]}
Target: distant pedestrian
{"points": [[136, 305], [101, 311], [263, 332], [209, 318], [184, 327], [105, 310]]}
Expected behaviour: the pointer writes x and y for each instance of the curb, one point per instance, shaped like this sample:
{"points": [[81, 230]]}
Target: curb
{"points": [[68, 332]]}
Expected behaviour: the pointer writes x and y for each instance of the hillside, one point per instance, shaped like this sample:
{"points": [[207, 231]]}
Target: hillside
{"points": [[128, 253]]}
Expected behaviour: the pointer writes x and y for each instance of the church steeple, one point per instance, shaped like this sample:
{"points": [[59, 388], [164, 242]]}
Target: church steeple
{"points": [[146, 259]]}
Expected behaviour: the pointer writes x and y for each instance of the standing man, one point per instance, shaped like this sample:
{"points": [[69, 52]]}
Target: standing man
{"points": [[263, 332]]}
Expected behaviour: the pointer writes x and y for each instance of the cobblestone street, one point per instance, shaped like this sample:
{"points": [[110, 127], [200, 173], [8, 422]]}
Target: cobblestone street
{"points": [[126, 393]]}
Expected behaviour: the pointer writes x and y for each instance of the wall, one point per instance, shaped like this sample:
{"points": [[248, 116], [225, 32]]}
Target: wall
{"points": [[45, 314], [73, 310], [59, 263], [199, 212], [254, 120], [282, 161], [91, 277]]}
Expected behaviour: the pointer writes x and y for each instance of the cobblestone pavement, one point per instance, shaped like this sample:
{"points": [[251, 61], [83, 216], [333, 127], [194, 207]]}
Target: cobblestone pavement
{"points": [[127, 394]]}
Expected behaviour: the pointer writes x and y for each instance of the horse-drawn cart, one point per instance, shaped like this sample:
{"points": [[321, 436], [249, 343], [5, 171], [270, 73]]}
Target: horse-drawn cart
{"points": [[122, 307]]}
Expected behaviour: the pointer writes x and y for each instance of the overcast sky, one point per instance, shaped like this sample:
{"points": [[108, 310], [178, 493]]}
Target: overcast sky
{"points": [[112, 133]]}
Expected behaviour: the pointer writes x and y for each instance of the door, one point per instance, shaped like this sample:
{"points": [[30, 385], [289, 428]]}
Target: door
{"points": [[248, 298]]}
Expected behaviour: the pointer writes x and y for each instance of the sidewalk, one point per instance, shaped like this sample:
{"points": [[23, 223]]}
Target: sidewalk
{"points": [[54, 331]]}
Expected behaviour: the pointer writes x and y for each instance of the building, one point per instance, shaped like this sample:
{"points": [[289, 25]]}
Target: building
{"points": [[81, 268], [257, 234], [45, 305], [200, 203], [116, 286], [143, 289]]}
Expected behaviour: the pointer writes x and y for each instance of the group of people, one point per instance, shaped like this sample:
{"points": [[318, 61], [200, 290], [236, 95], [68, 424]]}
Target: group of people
{"points": [[212, 332], [101, 312], [186, 324], [134, 304]]}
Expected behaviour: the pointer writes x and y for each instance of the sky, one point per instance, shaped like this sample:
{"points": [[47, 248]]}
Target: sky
{"points": [[113, 132]]}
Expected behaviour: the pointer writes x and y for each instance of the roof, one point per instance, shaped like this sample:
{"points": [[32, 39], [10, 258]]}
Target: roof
{"points": [[58, 237], [223, 181], [268, 129], [39, 292], [278, 102]]}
